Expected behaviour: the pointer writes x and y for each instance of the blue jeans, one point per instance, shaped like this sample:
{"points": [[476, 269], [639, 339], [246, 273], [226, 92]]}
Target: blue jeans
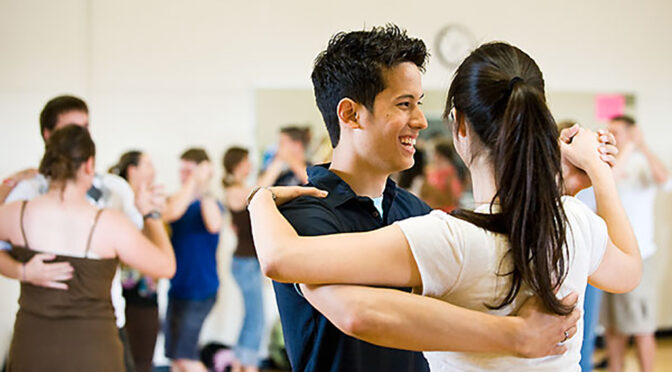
{"points": [[247, 273], [591, 314]]}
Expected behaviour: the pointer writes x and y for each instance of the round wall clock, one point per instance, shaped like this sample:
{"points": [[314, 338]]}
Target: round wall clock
{"points": [[453, 44]]}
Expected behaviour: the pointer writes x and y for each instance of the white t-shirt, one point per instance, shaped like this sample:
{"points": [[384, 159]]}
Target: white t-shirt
{"points": [[637, 190], [459, 262], [115, 194]]}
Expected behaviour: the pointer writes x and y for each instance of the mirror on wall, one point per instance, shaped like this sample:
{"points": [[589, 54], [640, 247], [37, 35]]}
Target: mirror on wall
{"points": [[277, 108]]}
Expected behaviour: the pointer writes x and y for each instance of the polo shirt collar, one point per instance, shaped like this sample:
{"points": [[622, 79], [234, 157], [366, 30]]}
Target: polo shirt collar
{"points": [[339, 191]]}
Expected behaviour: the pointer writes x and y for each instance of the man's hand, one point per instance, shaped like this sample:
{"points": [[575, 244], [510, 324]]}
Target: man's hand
{"points": [[541, 333], [24, 175], [575, 178], [50, 275]]}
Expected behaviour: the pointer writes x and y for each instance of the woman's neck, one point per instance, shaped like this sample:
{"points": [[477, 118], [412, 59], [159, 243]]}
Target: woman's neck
{"points": [[483, 180], [68, 191]]}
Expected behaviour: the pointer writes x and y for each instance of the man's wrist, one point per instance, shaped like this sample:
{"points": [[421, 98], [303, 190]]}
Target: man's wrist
{"points": [[22, 275], [512, 328]]}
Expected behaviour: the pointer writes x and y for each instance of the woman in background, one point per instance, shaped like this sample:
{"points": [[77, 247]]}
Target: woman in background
{"points": [[142, 309], [245, 266], [75, 330]]}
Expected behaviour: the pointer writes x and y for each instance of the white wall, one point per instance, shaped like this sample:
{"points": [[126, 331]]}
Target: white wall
{"points": [[163, 75]]}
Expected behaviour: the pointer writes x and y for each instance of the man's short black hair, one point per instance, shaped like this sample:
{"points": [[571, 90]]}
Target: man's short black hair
{"points": [[352, 66], [628, 120], [57, 106]]}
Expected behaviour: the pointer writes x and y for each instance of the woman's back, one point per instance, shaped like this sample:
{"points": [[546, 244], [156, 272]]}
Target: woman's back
{"points": [[459, 263], [80, 318]]}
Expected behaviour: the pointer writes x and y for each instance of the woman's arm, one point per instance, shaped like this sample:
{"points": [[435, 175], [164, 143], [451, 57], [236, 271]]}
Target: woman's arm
{"points": [[380, 257], [177, 204], [621, 267], [151, 253], [211, 213], [397, 319]]}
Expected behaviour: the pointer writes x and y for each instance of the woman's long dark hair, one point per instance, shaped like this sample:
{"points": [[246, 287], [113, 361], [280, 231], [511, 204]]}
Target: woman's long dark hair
{"points": [[499, 89]]}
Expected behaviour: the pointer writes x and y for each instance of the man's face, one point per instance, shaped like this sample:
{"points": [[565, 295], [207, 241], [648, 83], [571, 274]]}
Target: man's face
{"points": [[187, 167], [288, 148], [387, 140], [620, 131], [74, 117]]}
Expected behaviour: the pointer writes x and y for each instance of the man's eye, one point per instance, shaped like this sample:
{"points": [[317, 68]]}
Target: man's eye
{"points": [[404, 104]]}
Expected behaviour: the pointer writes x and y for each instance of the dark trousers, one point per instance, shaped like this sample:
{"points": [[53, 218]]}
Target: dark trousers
{"points": [[142, 326], [128, 357]]}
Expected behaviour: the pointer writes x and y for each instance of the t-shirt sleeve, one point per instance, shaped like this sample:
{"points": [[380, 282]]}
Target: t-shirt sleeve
{"points": [[437, 246], [592, 229], [122, 198]]}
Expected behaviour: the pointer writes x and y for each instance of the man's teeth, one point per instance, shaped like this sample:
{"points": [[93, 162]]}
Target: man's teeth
{"points": [[408, 141]]}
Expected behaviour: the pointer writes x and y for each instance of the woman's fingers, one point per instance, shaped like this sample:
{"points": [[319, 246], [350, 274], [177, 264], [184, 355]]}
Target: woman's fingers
{"points": [[312, 191]]}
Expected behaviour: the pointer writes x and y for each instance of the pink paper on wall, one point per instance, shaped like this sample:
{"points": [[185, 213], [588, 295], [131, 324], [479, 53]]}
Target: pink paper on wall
{"points": [[609, 105]]}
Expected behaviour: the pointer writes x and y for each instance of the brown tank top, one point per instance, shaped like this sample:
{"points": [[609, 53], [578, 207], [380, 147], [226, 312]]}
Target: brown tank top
{"points": [[88, 294], [241, 221], [75, 327]]}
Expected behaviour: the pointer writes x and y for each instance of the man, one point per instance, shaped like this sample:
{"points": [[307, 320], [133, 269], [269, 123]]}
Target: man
{"points": [[368, 88], [639, 174], [288, 166], [108, 191]]}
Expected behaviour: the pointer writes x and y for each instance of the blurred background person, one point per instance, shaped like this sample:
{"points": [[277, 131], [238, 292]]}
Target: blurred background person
{"points": [[142, 309], [195, 218], [106, 191], [443, 185], [639, 174], [413, 178], [287, 167], [75, 328], [245, 266]]}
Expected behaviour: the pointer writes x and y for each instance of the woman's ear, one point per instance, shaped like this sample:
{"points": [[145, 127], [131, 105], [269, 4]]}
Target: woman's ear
{"points": [[90, 166], [347, 113], [461, 124]]}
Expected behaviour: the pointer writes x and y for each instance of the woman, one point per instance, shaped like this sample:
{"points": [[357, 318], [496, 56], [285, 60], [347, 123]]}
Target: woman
{"points": [[75, 328], [195, 218], [245, 266], [525, 239], [142, 309]]}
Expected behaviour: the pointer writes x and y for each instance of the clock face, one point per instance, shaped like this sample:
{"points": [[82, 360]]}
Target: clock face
{"points": [[453, 44]]}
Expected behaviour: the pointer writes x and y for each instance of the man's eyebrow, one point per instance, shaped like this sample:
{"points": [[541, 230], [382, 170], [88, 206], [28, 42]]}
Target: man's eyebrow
{"points": [[411, 96]]}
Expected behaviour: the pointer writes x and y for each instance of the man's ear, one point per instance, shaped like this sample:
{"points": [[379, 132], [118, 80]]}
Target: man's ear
{"points": [[347, 113]]}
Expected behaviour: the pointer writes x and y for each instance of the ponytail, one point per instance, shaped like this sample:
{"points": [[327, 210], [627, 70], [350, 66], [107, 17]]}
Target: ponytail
{"points": [[528, 175], [501, 91]]}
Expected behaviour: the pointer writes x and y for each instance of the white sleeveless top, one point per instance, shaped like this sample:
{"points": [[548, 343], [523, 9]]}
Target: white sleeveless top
{"points": [[459, 262]]}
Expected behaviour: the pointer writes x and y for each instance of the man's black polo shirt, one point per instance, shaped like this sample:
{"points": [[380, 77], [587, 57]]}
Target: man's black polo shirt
{"points": [[313, 343]]}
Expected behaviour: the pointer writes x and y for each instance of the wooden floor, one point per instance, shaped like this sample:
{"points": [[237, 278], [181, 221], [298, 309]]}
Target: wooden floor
{"points": [[663, 357]]}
